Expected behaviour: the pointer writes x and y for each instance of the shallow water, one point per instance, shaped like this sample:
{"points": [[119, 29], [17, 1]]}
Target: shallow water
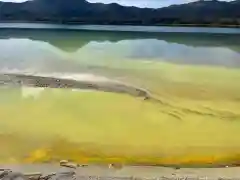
{"points": [[195, 78]]}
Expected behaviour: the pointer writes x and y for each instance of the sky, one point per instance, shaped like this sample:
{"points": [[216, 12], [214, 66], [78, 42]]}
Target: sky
{"points": [[139, 3]]}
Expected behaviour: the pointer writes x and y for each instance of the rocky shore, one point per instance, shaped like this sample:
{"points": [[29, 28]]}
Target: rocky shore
{"points": [[101, 172]]}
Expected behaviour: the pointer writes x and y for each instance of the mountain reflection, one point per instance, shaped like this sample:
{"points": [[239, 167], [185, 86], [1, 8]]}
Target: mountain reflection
{"points": [[48, 50]]}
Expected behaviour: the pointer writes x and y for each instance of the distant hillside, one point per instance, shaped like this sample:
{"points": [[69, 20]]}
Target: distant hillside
{"points": [[211, 12]]}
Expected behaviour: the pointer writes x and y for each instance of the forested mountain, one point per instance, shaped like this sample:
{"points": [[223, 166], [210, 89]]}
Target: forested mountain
{"points": [[208, 12]]}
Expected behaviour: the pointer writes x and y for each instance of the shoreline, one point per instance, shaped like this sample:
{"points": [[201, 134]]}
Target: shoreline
{"points": [[132, 172], [120, 28], [126, 24]]}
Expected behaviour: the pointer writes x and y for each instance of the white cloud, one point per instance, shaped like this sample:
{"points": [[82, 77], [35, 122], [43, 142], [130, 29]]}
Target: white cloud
{"points": [[144, 3], [140, 3], [13, 0]]}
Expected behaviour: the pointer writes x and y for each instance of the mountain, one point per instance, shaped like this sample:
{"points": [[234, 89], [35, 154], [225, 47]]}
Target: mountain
{"points": [[80, 11], [203, 11]]}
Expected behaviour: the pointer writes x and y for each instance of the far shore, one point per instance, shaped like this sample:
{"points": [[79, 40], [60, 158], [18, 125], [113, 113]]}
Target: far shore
{"points": [[125, 24], [121, 28]]}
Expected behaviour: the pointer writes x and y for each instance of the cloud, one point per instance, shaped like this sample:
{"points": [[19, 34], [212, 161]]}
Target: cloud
{"points": [[144, 3], [13, 0], [140, 3]]}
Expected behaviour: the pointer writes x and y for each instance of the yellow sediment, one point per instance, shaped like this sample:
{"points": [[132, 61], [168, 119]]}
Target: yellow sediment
{"points": [[196, 121]]}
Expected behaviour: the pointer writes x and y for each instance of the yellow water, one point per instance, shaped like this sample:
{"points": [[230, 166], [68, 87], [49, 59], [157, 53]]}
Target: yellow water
{"points": [[196, 121]]}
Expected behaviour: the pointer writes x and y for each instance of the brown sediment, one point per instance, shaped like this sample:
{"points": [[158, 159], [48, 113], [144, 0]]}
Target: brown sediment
{"points": [[53, 82]]}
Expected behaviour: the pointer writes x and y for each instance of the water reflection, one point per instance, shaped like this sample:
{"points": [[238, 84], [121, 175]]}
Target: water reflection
{"points": [[46, 50], [159, 50]]}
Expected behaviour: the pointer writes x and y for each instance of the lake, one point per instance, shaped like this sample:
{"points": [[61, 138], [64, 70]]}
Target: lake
{"points": [[192, 73]]}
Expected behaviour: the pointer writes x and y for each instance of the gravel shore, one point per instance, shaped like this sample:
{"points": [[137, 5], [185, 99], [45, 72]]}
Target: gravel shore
{"points": [[98, 172]]}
